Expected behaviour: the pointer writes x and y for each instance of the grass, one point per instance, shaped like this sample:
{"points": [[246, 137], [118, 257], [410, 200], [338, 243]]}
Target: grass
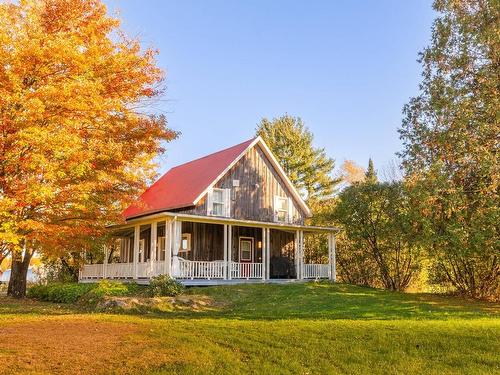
{"points": [[310, 328]]}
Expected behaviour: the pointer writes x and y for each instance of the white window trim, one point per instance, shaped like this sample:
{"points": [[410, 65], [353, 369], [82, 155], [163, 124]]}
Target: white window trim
{"points": [[142, 249], [221, 202], [161, 245], [225, 202], [277, 199], [188, 237]]}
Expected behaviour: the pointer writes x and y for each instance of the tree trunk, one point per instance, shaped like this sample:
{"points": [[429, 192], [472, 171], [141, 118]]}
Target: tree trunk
{"points": [[19, 273]]}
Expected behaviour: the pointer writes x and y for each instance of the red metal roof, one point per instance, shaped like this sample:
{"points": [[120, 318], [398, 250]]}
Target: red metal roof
{"points": [[181, 185]]}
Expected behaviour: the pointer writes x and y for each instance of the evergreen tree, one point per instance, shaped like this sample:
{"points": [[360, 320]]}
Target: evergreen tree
{"points": [[308, 167], [450, 134], [371, 175]]}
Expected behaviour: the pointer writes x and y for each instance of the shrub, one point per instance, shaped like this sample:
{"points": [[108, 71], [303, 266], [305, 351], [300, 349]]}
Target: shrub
{"points": [[164, 285], [58, 292], [73, 292], [114, 288]]}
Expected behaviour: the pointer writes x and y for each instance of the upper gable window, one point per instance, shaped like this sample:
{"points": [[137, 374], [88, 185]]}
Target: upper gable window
{"points": [[218, 202], [281, 209]]}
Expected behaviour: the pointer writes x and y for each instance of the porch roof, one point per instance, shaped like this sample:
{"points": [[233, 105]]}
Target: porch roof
{"points": [[222, 220]]}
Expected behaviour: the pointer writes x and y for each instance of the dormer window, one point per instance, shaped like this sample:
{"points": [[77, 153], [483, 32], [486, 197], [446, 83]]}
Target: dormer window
{"points": [[281, 208], [219, 202]]}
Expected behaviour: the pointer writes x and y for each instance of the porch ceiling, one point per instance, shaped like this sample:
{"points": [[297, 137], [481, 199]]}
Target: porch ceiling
{"points": [[220, 220]]}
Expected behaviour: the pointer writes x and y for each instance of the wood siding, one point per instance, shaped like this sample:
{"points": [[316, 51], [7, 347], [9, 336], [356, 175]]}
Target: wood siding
{"points": [[207, 242], [253, 199]]}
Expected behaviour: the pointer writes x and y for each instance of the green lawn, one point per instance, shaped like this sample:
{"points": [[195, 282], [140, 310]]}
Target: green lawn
{"points": [[311, 328]]}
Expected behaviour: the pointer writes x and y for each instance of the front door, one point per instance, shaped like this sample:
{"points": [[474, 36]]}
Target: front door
{"points": [[246, 249]]}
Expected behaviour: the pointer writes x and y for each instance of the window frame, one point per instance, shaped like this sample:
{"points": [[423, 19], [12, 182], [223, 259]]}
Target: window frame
{"points": [[278, 210], [161, 251], [221, 203], [186, 236], [251, 240]]}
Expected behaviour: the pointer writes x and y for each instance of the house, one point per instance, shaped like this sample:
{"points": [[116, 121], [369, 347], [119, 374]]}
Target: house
{"points": [[230, 216]]}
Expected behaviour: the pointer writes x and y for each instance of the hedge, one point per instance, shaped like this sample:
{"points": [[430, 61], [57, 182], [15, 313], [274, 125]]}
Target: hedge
{"points": [[74, 292]]}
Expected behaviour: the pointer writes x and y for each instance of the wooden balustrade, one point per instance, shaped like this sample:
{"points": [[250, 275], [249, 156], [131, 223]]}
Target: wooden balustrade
{"points": [[189, 269], [246, 270], [315, 271]]}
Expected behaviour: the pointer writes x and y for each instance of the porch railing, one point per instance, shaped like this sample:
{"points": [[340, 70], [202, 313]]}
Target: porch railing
{"points": [[150, 269], [246, 270], [315, 271], [92, 271], [119, 270], [189, 269]]}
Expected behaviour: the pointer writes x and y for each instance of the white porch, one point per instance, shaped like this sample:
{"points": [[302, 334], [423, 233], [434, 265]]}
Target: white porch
{"points": [[150, 248]]}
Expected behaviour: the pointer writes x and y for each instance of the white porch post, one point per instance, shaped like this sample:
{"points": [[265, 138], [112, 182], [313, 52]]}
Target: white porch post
{"points": [[105, 262], [176, 244], [330, 273], [229, 250], [152, 248], [297, 254], [263, 250], [137, 234], [225, 270], [334, 259], [268, 254], [168, 247], [301, 251]]}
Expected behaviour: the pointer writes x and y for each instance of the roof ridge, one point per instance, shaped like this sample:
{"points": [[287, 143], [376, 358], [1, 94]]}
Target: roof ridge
{"points": [[213, 153]]}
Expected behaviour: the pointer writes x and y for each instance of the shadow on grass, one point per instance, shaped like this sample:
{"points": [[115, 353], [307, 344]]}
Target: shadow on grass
{"points": [[312, 300], [332, 301], [26, 306]]}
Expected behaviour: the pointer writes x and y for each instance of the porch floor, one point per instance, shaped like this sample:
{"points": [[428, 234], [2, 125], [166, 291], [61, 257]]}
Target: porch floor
{"points": [[213, 282]]}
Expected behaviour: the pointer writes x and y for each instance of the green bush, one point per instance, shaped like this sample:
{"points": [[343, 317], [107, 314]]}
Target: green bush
{"points": [[164, 285], [58, 292], [114, 288], [74, 292]]}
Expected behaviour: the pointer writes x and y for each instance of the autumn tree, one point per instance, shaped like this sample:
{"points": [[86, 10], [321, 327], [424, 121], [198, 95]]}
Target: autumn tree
{"points": [[76, 139], [351, 173], [450, 134], [308, 167], [4, 252]]}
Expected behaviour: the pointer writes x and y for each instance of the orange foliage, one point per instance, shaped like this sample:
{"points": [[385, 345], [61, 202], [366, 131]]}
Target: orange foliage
{"points": [[351, 172], [76, 141]]}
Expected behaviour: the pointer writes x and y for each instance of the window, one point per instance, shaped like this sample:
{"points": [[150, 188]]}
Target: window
{"points": [[185, 243], [218, 202], [161, 248], [142, 247], [281, 209], [246, 249]]}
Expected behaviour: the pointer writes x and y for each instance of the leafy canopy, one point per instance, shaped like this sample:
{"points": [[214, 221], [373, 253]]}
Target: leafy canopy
{"points": [[381, 245], [450, 134], [76, 139]]}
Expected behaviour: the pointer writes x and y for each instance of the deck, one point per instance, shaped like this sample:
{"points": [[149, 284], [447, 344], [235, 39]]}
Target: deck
{"points": [[205, 282]]}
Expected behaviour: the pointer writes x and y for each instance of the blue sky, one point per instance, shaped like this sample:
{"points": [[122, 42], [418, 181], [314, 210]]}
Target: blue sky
{"points": [[345, 67]]}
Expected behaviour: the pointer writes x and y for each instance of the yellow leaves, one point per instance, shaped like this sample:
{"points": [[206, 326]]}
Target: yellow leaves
{"points": [[75, 147]]}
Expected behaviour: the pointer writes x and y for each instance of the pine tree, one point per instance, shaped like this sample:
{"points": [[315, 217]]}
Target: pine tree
{"points": [[308, 167], [370, 175]]}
